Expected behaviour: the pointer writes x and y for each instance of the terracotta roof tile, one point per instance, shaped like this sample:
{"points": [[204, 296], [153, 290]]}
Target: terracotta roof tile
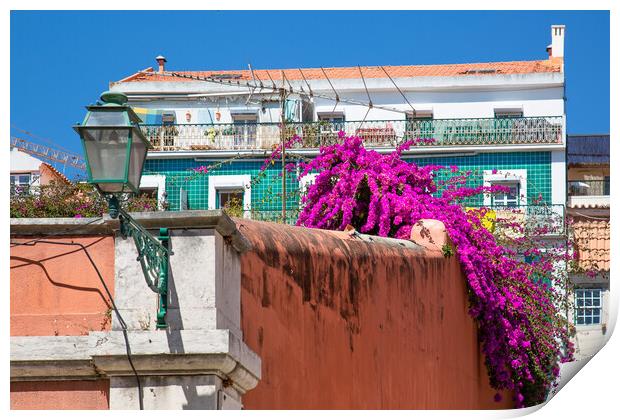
{"points": [[509, 67]]}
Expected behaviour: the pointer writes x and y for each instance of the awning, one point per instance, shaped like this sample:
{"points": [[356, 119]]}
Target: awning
{"points": [[150, 116]]}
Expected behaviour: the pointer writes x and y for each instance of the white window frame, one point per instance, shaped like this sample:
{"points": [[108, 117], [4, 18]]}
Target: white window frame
{"points": [[419, 113], [158, 182], [304, 183], [591, 307], [512, 175], [231, 182], [516, 112], [328, 116]]}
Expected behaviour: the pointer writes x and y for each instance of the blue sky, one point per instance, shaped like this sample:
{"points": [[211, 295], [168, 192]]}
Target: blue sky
{"points": [[61, 61]]}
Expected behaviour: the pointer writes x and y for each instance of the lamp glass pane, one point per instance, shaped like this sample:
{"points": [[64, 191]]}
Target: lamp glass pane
{"points": [[111, 187], [106, 150], [138, 154], [108, 118]]}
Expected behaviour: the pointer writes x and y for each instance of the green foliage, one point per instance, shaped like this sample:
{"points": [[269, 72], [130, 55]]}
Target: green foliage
{"points": [[234, 207], [447, 250], [76, 200]]}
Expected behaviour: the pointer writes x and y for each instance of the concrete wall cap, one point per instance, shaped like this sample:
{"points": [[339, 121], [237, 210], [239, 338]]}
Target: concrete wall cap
{"points": [[190, 219]]}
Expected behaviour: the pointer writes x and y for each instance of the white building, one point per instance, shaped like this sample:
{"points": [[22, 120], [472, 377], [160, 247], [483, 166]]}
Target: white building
{"points": [[506, 119]]}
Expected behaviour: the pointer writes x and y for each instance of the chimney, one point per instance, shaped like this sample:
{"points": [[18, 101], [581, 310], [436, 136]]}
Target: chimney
{"points": [[161, 60], [556, 49]]}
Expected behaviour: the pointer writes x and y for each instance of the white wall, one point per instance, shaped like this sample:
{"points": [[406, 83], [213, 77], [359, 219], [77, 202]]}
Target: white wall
{"points": [[23, 162], [457, 104], [474, 104]]}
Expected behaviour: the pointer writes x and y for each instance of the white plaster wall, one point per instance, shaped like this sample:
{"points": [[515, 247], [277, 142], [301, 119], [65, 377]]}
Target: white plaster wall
{"points": [[455, 104], [546, 101], [539, 94], [23, 162]]}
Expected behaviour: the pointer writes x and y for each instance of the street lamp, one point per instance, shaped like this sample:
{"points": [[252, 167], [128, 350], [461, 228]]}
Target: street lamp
{"points": [[115, 151]]}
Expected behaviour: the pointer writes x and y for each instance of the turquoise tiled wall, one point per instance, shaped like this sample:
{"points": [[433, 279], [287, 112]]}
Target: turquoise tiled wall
{"points": [[266, 193], [537, 164]]}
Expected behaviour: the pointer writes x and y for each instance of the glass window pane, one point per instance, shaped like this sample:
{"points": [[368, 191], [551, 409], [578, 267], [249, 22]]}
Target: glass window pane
{"points": [[138, 155], [111, 187], [106, 151], [24, 179], [109, 118], [230, 198], [580, 302]]}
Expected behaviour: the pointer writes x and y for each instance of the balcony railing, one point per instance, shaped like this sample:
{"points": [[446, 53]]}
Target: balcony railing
{"points": [[535, 220], [446, 132], [599, 187]]}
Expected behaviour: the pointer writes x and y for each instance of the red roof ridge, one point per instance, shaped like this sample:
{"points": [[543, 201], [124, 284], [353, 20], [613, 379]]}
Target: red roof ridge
{"points": [[57, 172], [414, 70]]}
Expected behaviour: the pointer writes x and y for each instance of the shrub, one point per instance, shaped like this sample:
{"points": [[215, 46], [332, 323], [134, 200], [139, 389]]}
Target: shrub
{"points": [[75, 200]]}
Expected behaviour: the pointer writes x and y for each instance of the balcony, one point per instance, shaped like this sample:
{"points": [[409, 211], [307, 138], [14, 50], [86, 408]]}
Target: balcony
{"points": [[537, 220], [446, 132], [588, 193]]}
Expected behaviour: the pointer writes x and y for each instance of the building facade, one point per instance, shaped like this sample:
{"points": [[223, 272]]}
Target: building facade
{"points": [[28, 173], [588, 208], [504, 120]]}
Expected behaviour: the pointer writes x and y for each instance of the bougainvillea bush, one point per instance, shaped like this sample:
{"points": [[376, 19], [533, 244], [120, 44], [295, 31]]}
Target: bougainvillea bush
{"points": [[522, 333]]}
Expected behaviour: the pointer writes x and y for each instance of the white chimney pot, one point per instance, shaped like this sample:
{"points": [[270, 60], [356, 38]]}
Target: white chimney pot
{"points": [[557, 40]]}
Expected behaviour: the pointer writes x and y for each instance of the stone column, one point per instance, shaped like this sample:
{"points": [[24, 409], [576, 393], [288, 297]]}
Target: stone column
{"points": [[200, 360]]}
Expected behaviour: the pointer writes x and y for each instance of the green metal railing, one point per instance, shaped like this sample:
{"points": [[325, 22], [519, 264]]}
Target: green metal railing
{"points": [[388, 133]]}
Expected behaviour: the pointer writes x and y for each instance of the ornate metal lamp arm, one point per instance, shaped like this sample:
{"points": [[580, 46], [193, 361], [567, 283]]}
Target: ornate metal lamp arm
{"points": [[153, 255]]}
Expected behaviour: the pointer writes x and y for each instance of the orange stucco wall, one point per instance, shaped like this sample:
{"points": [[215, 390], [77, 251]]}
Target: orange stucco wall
{"points": [[341, 323], [56, 291], [61, 395]]}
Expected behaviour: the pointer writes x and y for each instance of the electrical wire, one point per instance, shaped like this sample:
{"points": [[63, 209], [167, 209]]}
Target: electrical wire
{"points": [[113, 303]]}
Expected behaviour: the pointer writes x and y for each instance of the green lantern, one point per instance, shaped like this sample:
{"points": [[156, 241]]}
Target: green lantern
{"points": [[114, 146], [115, 151]]}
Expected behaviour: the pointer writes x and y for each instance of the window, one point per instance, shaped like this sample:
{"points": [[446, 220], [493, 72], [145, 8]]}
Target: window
{"points": [[228, 197], [304, 183], [332, 117], [508, 113], [588, 306], [606, 185], [507, 199], [245, 129], [226, 189], [419, 125], [330, 124], [514, 179], [20, 183], [419, 115], [155, 187]]}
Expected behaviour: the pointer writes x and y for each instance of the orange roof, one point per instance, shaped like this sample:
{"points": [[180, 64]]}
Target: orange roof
{"points": [[57, 174], [374, 72], [592, 242]]}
